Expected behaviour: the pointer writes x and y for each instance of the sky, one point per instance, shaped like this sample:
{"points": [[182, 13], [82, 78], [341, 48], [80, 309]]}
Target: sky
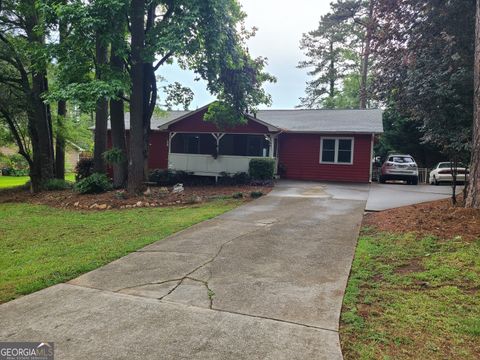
{"points": [[280, 28]]}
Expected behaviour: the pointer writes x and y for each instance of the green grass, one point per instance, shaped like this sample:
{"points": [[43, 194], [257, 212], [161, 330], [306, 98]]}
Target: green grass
{"points": [[14, 181], [42, 246], [412, 298]]}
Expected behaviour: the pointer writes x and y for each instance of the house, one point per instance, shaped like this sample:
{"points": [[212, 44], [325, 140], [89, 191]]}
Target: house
{"points": [[326, 145]]}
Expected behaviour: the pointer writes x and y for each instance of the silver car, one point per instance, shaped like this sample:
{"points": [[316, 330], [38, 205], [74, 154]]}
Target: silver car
{"points": [[399, 167]]}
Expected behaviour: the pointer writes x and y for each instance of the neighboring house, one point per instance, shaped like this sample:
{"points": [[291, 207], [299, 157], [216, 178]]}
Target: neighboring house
{"points": [[330, 145]]}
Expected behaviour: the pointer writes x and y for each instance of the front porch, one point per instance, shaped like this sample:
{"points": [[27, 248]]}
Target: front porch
{"points": [[210, 154]]}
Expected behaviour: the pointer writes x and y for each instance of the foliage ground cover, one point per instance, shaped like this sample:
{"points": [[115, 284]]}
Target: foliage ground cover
{"points": [[412, 295], [41, 246]]}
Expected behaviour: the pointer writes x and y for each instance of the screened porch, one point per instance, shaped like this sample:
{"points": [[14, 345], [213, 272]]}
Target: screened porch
{"points": [[210, 154]]}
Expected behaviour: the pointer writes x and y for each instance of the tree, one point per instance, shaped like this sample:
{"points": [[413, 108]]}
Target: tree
{"points": [[425, 55], [206, 37], [24, 55], [330, 57], [473, 190], [339, 52], [361, 16]]}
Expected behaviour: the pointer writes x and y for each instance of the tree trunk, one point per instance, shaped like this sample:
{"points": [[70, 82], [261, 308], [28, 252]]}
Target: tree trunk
{"points": [[473, 191], [40, 133], [366, 57], [332, 72], [61, 118], [101, 111], [39, 124], [150, 99], [137, 134], [60, 140], [117, 121]]}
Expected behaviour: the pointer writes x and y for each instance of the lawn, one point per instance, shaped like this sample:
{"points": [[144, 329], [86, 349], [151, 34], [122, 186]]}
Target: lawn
{"points": [[14, 181], [41, 246], [412, 297]]}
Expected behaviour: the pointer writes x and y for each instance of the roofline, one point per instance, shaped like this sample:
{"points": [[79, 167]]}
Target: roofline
{"points": [[331, 132], [372, 109], [173, 121], [165, 126]]}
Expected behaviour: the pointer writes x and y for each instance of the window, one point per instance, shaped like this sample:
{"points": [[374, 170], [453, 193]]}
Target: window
{"points": [[193, 144], [336, 150], [244, 145]]}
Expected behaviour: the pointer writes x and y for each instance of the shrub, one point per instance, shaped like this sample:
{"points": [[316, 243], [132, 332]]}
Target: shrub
{"points": [[94, 184], [261, 169], [237, 195], [114, 156], [56, 184], [161, 176], [83, 169], [256, 194], [241, 178], [169, 177], [14, 165]]}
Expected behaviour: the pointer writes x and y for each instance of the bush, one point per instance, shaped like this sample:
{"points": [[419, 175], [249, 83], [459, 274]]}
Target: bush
{"points": [[94, 184], [163, 177], [83, 169], [237, 195], [114, 156], [239, 178], [261, 169], [56, 184], [256, 194], [14, 165]]}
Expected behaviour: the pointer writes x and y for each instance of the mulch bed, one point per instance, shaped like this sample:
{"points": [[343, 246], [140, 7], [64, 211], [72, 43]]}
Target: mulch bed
{"points": [[155, 197], [438, 218]]}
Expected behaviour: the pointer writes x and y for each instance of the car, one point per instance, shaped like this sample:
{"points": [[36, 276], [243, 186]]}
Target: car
{"points": [[399, 167], [442, 172]]}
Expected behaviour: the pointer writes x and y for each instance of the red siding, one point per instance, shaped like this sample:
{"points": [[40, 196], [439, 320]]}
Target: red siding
{"points": [[158, 157], [195, 123], [300, 153]]}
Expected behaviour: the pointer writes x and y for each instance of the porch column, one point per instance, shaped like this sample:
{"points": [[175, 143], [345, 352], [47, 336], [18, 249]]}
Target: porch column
{"points": [[217, 137], [272, 145]]}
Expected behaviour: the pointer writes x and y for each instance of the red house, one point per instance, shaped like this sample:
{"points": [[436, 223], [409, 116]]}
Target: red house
{"points": [[331, 145]]}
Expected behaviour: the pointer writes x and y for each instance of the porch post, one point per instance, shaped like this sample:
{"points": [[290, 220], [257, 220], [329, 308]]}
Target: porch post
{"points": [[272, 145]]}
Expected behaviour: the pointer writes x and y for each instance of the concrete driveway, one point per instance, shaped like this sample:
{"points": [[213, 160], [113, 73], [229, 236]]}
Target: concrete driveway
{"points": [[264, 281], [393, 195]]}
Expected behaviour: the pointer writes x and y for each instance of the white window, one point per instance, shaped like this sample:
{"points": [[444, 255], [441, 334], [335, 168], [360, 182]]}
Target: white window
{"points": [[336, 150]]}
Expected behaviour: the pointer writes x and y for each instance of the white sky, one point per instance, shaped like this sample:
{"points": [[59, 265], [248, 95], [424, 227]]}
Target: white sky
{"points": [[280, 27]]}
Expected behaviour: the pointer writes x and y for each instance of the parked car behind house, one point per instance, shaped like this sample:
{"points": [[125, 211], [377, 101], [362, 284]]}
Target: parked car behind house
{"points": [[399, 167], [443, 173]]}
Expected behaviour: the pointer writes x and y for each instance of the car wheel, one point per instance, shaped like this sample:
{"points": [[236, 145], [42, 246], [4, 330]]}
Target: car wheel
{"points": [[414, 181], [381, 179], [435, 181]]}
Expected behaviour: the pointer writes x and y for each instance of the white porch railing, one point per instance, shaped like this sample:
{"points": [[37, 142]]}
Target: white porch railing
{"points": [[207, 165]]}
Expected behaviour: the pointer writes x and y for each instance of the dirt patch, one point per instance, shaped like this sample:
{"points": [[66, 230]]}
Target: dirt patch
{"points": [[155, 197], [414, 265], [438, 218]]}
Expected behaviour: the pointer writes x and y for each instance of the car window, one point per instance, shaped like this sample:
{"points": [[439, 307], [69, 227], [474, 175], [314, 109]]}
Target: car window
{"points": [[401, 159], [444, 165]]}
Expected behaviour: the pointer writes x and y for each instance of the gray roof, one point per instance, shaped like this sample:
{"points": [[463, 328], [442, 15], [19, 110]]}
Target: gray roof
{"points": [[156, 119], [321, 121], [334, 121]]}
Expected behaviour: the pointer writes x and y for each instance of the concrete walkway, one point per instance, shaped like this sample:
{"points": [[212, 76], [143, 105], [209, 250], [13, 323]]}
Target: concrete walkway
{"points": [[264, 281]]}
